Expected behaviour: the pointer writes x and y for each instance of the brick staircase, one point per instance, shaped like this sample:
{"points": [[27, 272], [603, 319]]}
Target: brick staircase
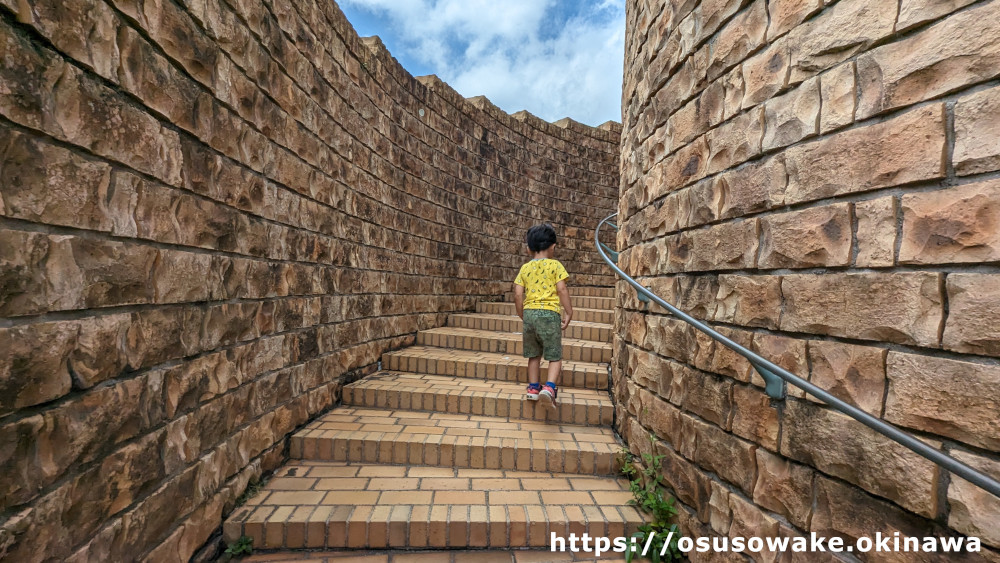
{"points": [[441, 450]]}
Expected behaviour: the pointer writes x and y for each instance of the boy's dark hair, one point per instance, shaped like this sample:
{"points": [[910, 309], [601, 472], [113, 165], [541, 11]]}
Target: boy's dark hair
{"points": [[541, 237]]}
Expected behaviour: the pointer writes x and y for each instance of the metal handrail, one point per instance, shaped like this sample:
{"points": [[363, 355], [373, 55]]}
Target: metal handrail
{"points": [[776, 378]]}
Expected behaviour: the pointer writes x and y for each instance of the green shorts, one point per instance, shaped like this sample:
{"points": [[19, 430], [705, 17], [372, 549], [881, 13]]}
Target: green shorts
{"points": [[542, 334]]}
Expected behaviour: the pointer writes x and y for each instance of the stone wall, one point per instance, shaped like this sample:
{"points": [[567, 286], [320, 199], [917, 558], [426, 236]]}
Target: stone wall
{"points": [[214, 213], [821, 181]]}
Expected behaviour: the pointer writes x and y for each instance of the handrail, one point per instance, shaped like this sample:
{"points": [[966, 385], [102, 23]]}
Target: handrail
{"points": [[776, 378]]}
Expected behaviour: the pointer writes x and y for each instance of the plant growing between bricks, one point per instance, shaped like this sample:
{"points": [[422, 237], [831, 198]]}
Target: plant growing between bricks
{"points": [[646, 484]]}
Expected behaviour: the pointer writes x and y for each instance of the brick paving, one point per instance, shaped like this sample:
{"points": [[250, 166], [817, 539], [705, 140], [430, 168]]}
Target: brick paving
{"points": [[441, 450]]}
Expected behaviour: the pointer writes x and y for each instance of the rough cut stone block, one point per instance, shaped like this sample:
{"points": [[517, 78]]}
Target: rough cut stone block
{"points": [[839, 97], [840, 32], [959, 51], [952, 225], [855, 374], [974, 511], [916, 12], [754, 418], [839, 446], [845, 511], [34, 367], [727, 246], [876, 232], [820, 236], [902, 307], [740, 37], [977, 144], [697, 116], [784, 487], [735, 141], [974, 307], [791, 117], [906, 149], [749, 300], [733, 86], [786, 14], [766, 73], [924, 392], [757, 186]]}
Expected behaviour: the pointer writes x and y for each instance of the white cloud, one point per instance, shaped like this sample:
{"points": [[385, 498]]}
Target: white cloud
{"points": [[509, 52]]}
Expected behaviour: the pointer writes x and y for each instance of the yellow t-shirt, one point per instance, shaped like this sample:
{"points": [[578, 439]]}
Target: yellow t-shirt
{"points": [[539, 279]]}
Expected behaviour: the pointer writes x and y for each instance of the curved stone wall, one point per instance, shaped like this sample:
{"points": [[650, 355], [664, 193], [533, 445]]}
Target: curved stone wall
{"points": [[214, 213], [821, 181]]}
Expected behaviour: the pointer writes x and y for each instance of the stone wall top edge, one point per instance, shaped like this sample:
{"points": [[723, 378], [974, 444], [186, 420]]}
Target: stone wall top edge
{"points": [[391, 65]]}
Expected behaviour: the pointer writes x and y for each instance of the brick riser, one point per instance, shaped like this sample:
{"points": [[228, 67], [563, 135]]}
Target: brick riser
{"points": [[488, 366], [603, 316], [598, 332], [455, 395], [509, 343], [471, 452], [363, 506]]}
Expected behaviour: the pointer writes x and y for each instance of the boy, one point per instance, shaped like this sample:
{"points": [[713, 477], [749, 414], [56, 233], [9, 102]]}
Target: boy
{"points": [[539, 290]]}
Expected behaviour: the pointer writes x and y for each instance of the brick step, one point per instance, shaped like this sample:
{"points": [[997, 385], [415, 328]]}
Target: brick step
{"points": [[579, 314], [586, 301], [355, 434], [598, 332], [336, 505], [461, 395], [509, 343], [592, 291], [496, 555], [489, 366]]}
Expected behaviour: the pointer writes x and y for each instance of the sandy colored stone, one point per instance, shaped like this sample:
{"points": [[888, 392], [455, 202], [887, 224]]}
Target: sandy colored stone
{"points": [[956, 52], [749, 300], [687, 165], [735, 141], [757, 186], [791, 117], [855, 374], [839, 97], [876, 232], [725, 246], [974, 307], [786, 14], [840, 32], [908, 148], [713, 356], [699, 204], [697, 116], [838, 445], [754, 417], [765, 73], [958, 224], [749, 520], [845, 511], [733, 87], [903, 307], [785, 352], [731, 458], [741, 36], [703, 394], [784, 487], [946, 397], [974, 511], [819, 236], [977, 120], [916, 12]]}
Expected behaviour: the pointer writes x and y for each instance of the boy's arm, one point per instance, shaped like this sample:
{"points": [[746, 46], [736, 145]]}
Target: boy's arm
{"points": [[564, 300], [519, 300]]}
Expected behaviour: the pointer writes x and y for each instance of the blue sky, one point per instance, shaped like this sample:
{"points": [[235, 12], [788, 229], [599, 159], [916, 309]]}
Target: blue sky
{"points": [[554, 58]]}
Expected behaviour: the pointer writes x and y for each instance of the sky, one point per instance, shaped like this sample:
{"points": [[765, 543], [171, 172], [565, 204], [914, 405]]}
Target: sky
{"points": [[554, 58]]}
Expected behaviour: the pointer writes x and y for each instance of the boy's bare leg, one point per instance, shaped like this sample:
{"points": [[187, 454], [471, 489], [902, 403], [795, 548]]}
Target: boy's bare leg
{"points": [[555, 368], [534, 366]]}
